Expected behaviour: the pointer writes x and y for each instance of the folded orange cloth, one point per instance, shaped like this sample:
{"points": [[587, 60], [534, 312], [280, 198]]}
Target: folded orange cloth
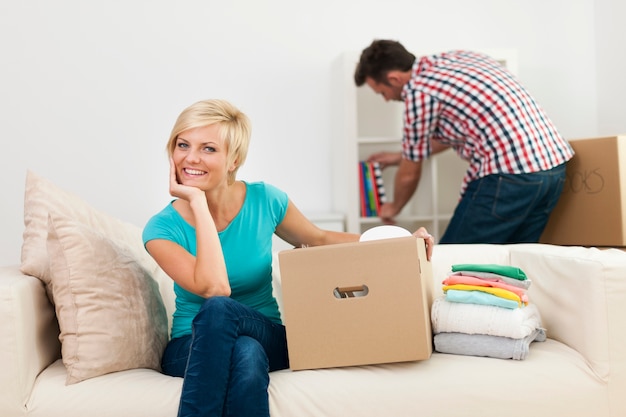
{"points": [[469, 280]]}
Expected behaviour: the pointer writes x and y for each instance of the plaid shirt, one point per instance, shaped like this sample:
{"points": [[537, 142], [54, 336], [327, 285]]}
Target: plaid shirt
{"points": [[470, 102]]}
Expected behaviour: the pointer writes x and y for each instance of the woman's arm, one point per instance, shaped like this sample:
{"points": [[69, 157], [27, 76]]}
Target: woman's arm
{"points": [[205, 274], [297, 230]]}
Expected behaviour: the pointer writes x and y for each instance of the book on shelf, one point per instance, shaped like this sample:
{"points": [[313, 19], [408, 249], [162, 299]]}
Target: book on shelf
{"points": [[372, 188]]}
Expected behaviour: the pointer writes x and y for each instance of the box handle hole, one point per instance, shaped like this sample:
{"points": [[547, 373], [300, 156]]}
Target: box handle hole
{"points": [[351, 292]]}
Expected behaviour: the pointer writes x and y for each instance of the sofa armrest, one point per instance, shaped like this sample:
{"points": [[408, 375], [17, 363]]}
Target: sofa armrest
{"points": [[29, 337]]}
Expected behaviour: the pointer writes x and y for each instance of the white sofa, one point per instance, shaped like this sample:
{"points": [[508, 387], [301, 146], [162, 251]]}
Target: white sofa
{"points": [[580, 370]]}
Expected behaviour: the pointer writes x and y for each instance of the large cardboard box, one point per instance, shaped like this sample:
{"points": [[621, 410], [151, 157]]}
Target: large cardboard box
{"points": [[357, 303], [592, 208]]}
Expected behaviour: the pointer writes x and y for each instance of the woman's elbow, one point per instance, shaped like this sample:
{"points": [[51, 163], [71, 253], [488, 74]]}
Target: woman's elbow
{"points": [[215, 291], [223, 292]]}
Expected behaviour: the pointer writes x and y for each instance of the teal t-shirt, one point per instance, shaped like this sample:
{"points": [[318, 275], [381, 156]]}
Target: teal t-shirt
{"points": [[247, 247]]}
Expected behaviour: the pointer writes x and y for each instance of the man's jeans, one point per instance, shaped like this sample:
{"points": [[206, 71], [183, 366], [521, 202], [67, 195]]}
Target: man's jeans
{"points": [[226, 360], [506, 208]]}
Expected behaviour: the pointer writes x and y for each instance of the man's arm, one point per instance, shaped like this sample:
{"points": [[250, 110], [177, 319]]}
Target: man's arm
{"points": [[436, 147], [386, 159], [405, 183]]}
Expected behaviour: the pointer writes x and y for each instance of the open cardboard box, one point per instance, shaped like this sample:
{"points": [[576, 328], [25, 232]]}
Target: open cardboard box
{"points": [[357, 303]]}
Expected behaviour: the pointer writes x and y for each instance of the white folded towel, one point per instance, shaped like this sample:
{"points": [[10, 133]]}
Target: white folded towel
{"points": [[450, 317]]}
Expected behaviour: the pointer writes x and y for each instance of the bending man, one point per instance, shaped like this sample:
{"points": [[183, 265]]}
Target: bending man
{"points": [[469, 102]]}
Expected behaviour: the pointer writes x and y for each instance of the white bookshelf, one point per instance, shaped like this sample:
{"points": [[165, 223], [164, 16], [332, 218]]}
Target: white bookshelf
{"points": [[363, 124]]}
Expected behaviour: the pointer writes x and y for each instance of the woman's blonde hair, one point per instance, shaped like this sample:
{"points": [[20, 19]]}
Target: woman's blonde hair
{"points": [[234, 129]]}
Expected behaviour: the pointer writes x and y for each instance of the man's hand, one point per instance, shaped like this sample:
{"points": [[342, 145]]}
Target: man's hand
{"points": [[387, 213], [386, 159]]}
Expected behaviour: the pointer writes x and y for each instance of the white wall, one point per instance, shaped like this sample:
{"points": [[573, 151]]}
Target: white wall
{"points": [[611, 65], [90, 90]]}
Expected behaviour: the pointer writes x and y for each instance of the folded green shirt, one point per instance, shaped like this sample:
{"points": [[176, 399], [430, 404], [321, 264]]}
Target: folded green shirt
{"points": [[507, 271]]}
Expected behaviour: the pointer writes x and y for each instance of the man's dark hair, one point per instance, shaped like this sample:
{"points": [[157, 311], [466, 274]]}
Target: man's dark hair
{"points": [[381, 57]]}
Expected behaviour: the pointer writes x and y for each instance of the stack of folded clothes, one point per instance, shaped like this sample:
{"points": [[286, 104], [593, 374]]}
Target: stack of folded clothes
{"points": [[485, 311]]}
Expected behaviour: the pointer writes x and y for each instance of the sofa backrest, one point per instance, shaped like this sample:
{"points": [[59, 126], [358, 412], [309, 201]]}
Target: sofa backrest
{"points": [[574, 288]]}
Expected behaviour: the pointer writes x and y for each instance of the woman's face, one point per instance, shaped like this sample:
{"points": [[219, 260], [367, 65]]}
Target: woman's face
{"points": [[200, 158]]}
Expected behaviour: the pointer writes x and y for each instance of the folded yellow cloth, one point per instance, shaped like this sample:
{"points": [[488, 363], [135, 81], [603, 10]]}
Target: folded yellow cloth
{"points": [[499, 292]]}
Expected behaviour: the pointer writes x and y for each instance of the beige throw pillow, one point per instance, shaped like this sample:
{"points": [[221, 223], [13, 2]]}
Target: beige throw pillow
{"points": [[109, 309], [42, 197]]}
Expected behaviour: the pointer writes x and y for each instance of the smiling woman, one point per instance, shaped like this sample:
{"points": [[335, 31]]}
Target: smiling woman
{"points": [[215, 241]]}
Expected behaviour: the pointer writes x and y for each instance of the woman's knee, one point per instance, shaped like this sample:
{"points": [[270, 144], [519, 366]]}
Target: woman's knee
{"points": [[215, 308], [217, 303], [249, 356]]}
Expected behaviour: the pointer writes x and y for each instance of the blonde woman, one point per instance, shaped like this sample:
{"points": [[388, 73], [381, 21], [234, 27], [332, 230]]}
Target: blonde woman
{"points": [[215, 241]]}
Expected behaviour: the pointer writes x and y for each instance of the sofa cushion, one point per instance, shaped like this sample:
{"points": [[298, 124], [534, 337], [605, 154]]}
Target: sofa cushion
{"points": [[109, 309], [571, 286], [42, 197]]}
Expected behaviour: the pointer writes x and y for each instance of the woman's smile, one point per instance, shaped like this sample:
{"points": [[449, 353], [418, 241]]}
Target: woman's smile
{"points": [[193, 172]]}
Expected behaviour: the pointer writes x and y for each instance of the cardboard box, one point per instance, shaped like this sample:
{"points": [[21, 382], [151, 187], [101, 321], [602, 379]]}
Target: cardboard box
{"points": [[357, 303], [592, 208]]}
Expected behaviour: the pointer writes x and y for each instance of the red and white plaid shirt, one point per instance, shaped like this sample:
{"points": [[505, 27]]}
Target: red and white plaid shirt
{"points": [[471, 102]]}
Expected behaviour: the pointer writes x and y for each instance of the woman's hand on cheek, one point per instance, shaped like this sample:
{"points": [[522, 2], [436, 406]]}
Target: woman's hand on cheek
{"points": [[179, 190]]}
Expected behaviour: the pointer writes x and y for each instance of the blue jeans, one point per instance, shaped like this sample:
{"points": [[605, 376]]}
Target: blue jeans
{"points": [[226, 360], [506, 208]]}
